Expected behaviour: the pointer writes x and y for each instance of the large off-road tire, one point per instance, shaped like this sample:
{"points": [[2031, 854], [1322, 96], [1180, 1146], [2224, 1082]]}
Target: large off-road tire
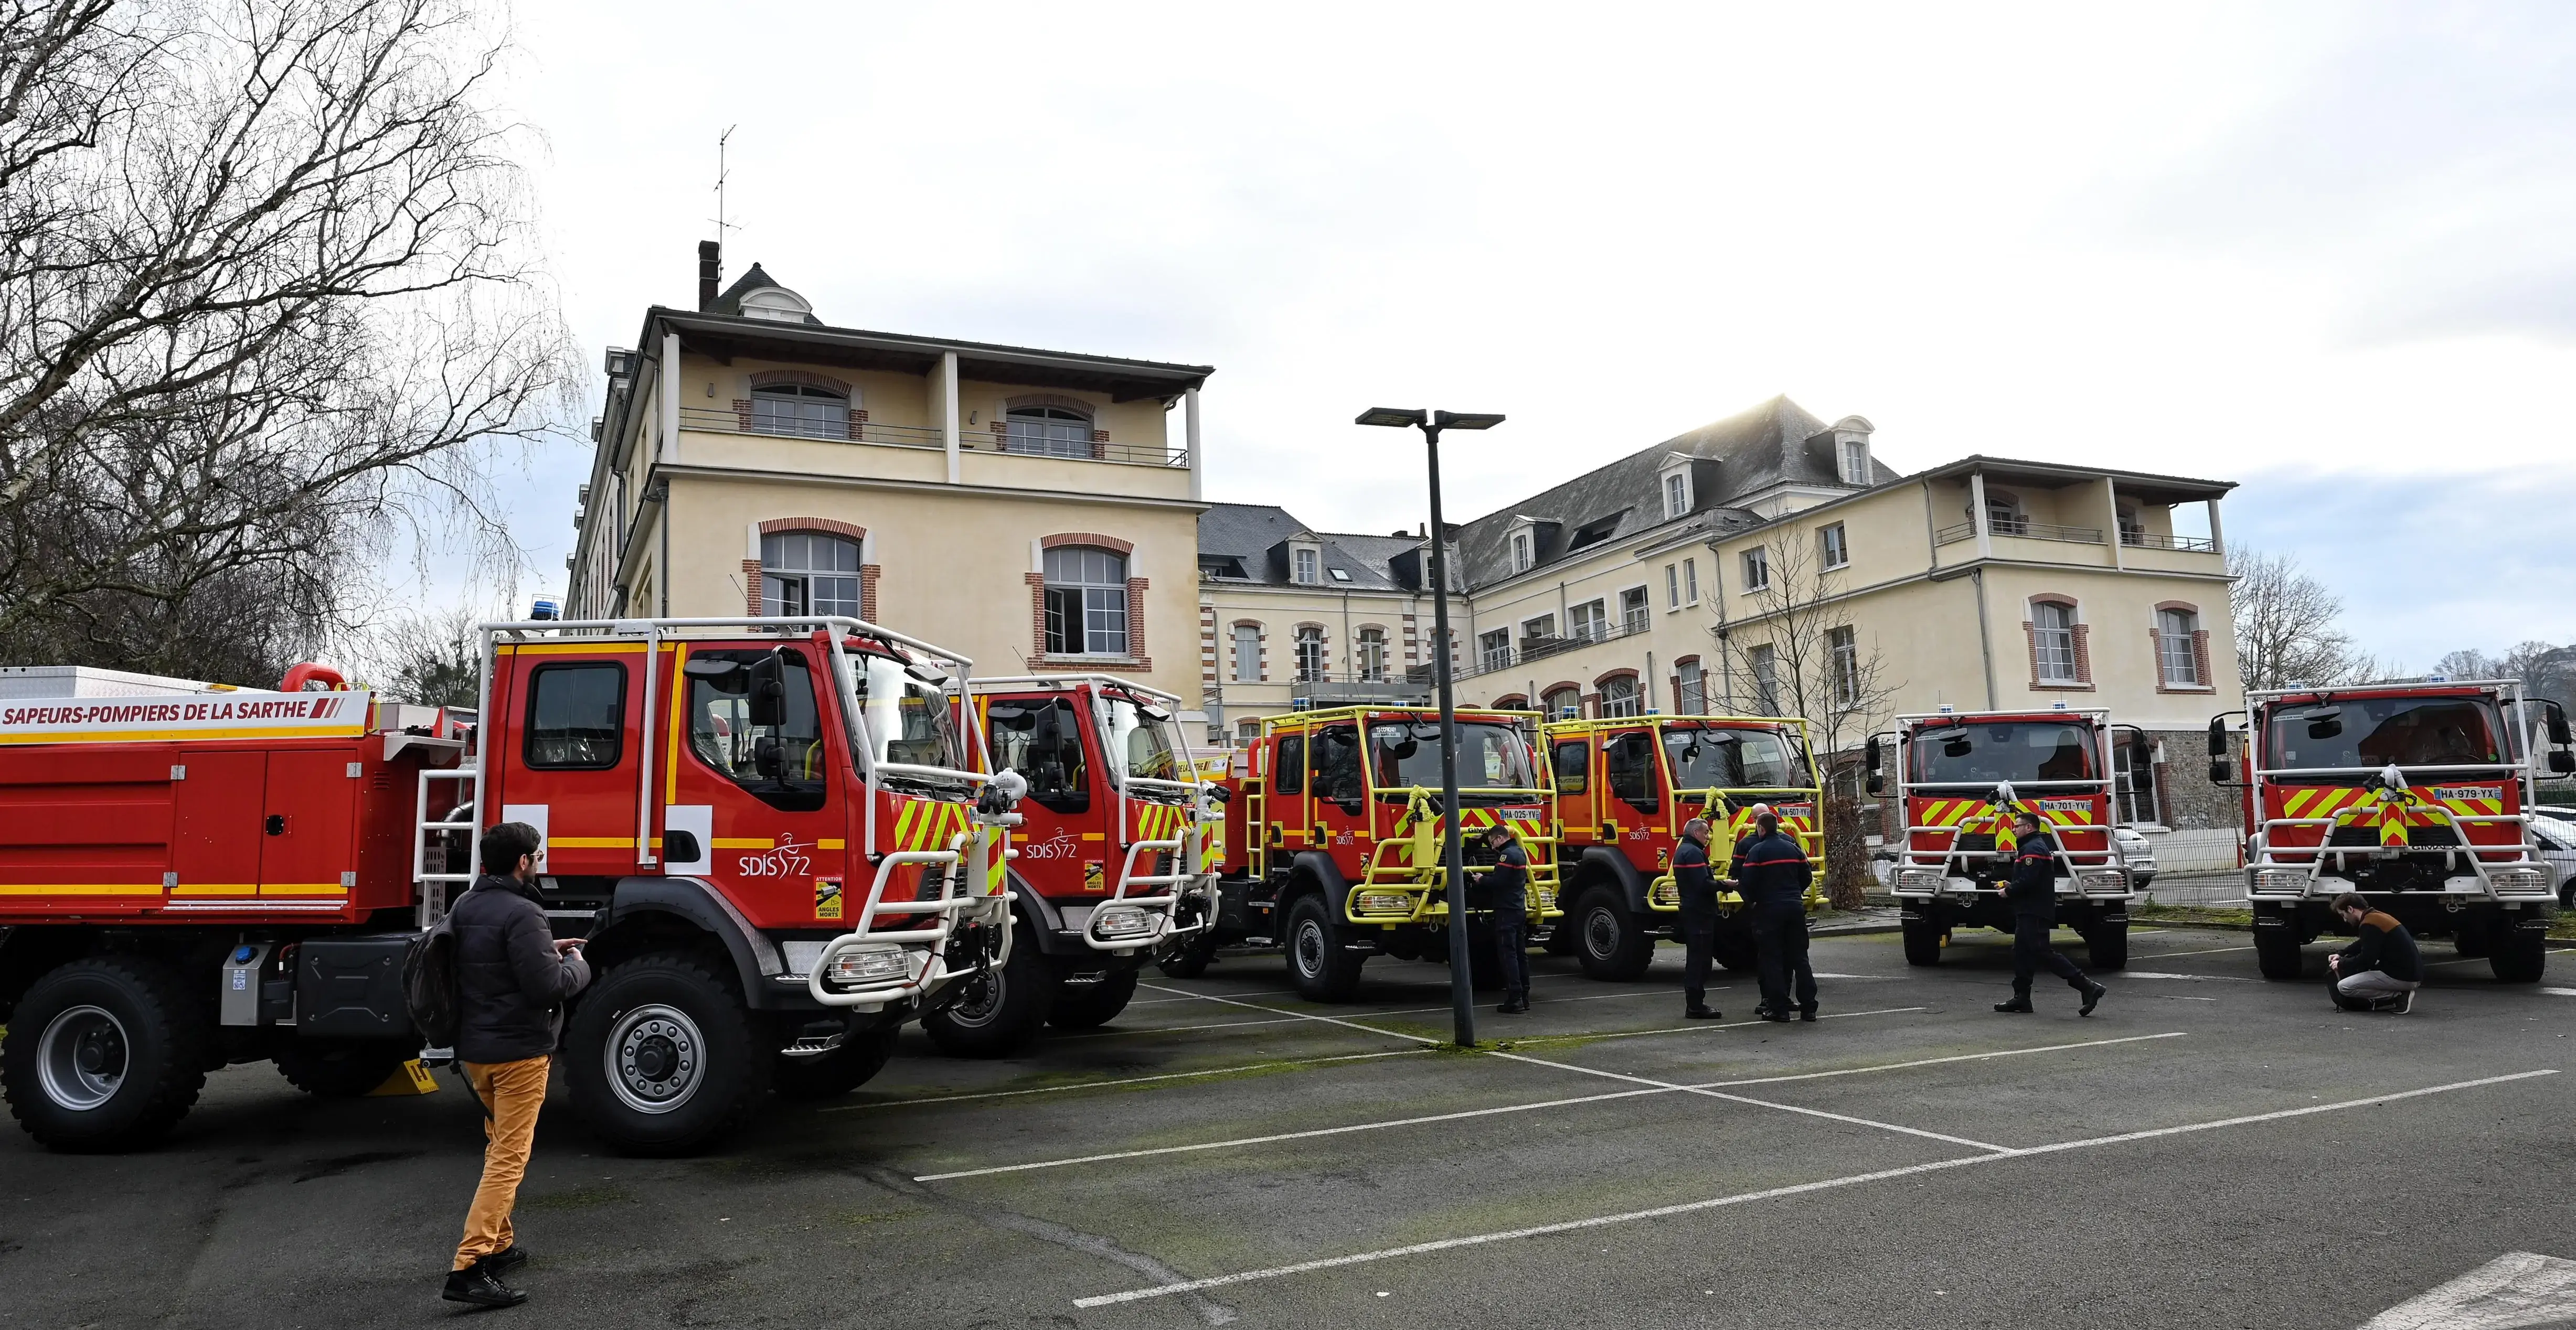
{"points": [[999, 1011], [1734, 949], [1560, 938], [663, 1056], [1922, 943], [1092, 1005], [105, 1053], [340, 1068], [1317, 965], [1191, 959], [1610, 942], [2276, 953], [2108, 945], [2518, 957], [2471, 938], [831, 1075]]}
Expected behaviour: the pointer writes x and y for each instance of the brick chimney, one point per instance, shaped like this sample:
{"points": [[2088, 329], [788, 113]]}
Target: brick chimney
{"points": [[710, 272]]}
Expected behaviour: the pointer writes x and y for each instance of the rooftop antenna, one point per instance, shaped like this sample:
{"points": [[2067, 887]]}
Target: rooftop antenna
{"points": [[722, 174]]}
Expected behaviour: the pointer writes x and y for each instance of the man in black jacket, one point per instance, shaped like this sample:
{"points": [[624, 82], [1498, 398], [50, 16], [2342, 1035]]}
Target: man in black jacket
{"points": [[1772, 873], [2381, 969], [1504, 889], [2032, 892], [1698, 890], [512, 979]]}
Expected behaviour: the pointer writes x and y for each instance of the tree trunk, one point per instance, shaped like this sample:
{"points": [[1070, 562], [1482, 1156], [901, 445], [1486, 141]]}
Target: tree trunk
{"points": [[1847, 875]]}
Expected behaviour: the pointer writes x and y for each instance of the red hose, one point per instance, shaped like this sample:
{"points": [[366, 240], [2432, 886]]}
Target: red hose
{"points": [[308, 672]]}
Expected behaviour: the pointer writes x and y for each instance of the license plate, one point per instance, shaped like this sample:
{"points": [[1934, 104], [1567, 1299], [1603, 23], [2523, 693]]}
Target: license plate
{"points": [[2066, 805], [1521, 814], [2468, 791]]}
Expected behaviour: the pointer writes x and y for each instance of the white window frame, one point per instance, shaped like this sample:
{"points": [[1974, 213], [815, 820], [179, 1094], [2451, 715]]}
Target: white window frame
{"points": [[1672, 586], [1833, 545], [1320, 669], [1633, 704], [2175, 648], [2051, 643], [1368, 650], [1690, 581], [1250, 661], [1853, 458], [1842, 645], [1538, 628], [1762, 664], [1757, 568], [1644, 617], [1594, 617], [1494, 649], [1693, 691], [1306, 565], [1524, 550], [1676, 494]]}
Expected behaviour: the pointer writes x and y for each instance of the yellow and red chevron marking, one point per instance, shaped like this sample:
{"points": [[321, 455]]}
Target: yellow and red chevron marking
{"points": [[1471, 824], [1160, 821], [927, 824]]}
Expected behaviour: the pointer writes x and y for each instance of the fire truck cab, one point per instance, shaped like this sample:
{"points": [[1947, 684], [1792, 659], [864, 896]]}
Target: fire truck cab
{"points": [[1625, 786], [2413, 794], [1119, 846], [1960, 779], [1346, 834], [186, 889]]}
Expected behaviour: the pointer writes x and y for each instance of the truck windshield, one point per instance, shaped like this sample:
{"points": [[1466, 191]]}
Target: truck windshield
{"points": [[1143, 737], [1405, 754], [908, 719], [2358, 732], [1729, 759], [1983, 752]]}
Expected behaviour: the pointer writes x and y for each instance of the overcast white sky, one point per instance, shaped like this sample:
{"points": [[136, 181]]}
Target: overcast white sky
{"points": [[2321, 249]]}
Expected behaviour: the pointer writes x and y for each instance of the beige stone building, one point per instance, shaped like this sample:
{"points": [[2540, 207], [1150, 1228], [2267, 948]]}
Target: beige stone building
{"points": [[1290, 616], [1036, 510]]}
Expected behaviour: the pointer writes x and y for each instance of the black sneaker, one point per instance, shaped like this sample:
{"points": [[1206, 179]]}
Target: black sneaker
{"points": [[507, 1259], [1702, 1014], [2019, 1004], [1767, 1014], [477, 1284], [1514, 1008], [2092, 999], [1806, 1013]]}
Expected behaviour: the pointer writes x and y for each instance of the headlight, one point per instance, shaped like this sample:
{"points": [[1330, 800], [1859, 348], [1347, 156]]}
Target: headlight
{"points": [[1668, 892], [869, 965], [1919, 879], [1385, 902], [1120, 921], [2518, 879], [1546, 897], [2103, 879], [2280, 879]]}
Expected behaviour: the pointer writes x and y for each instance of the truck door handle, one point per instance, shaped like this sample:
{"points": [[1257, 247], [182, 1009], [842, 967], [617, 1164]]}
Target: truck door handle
{"points": [[276, 824]]}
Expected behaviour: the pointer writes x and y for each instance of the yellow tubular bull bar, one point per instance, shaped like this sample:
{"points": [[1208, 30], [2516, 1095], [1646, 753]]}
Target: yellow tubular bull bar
{"points": [[1423, 882], [1663, 895]]}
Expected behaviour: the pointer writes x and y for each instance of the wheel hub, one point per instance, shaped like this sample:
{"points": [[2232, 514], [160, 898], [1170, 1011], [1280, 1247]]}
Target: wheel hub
{"points": [[82, 1058], [1310, 949], [656, 1059], [1601, 933], [982, 997]]}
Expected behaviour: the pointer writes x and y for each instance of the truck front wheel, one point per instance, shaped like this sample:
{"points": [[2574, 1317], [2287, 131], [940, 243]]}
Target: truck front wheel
{"points": [[1922, 942], [663, 1057], [1000, 1010], [2276, 951], [2109, 946], [2518, 957], [105, 1053], [836, 1073], [1322, 971], [1192, 958], [1092, 1005], [1610, 942]]}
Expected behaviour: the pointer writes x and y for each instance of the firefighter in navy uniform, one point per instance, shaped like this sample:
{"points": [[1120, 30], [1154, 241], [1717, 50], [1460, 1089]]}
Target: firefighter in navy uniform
{"points": [[1698, 888], [1772, 873], [1503, 893], [2032, 891]]}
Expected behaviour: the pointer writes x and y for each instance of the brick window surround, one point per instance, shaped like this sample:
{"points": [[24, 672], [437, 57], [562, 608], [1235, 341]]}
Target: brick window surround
{"points": [[1324, 661], [1583, 704], [1512, 702], [2083, 646], [2199, 650], [769, 378], [1001, 427], [1261, 652], [1675, 680], [1136, 660], [868, 572]]}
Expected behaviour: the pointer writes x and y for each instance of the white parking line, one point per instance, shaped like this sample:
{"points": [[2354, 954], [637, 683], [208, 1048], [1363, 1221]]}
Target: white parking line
{"points": [[2212, 951], [1124, 1080], [1308, 1016], [1655, 1089], [1737, 1025], [1757, 1103], [1741, 1198]]}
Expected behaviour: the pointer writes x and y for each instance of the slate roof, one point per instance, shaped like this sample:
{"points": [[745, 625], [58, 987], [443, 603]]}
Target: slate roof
{"points": [[1774, 443], [755, 279], [1241, 536]]}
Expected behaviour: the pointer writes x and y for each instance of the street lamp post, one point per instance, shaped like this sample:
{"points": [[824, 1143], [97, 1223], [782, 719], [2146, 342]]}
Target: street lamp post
{"points": [[1462, 987]]}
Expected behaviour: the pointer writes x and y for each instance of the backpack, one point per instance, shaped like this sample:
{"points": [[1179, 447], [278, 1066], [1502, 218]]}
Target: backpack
{"points": [[430, 984]]}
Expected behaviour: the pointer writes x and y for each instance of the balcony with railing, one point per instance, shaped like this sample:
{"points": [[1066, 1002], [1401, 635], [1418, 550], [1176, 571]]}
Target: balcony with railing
{"points": [[839, 425], [2147, 540], [2024, 528], [1495, 660]]}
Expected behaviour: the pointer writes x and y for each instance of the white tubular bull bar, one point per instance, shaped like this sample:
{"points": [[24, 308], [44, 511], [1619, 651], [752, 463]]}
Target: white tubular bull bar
{"points": [[970, 851], [2072, 861], [1162, 911]]}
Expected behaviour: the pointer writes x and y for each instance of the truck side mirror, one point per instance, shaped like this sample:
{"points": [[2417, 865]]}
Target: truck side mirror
{"points": [[769, 758], [2218, 771], [2217, 741], [2555, 716], [768, 700], [2562, 762], [1877, 784], [1870, 756]]}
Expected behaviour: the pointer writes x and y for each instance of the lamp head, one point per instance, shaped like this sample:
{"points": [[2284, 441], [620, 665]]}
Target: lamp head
{"points": [[1394, 417], [1464, 420]]}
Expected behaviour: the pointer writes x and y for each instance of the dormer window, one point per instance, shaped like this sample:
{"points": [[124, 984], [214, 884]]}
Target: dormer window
{"points": [[775, 303], [1523, 554], [1307, 560], [1593, 533], [1855, 459], [1676, 488]]}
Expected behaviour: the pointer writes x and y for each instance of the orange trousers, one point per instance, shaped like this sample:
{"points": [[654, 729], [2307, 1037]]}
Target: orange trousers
{"points": [[514, 1091]]}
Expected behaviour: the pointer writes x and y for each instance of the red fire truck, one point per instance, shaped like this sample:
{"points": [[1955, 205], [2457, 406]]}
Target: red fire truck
{"points": [[1960, 779], [1344, 834], [198, 880], [2412, 794], [1624, 787], [1119, 847]]}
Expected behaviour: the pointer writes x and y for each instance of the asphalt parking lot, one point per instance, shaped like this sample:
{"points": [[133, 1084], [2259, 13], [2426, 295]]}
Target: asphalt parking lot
{"points": [[2208, 1149]]}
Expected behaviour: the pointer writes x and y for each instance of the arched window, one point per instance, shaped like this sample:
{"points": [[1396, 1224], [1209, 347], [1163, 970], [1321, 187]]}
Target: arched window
{"points": [[1564, 701], [800, 409], [1692, 698], [1310, 654], [1050, 430], [1619, 695], [2052, 637], [809, 572], [2004, 516], [1372, 654], [1086, 601]]}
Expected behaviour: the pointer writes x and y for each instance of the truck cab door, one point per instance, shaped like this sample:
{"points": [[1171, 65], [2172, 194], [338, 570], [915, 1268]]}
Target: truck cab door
{"points": [[769, 779], [1062, 837], [1633, 771], [1338, 792], [1571, 760], [1291, 814], [566, 750]]}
